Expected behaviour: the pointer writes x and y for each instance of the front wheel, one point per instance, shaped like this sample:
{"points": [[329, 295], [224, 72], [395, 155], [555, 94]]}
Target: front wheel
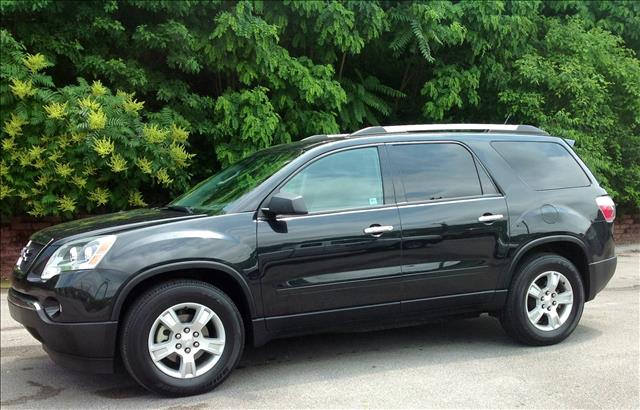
{"points": [[545, 301], [182, 338]]}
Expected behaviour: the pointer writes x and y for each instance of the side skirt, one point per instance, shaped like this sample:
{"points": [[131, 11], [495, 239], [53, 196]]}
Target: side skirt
{"points": [[385, 315]]}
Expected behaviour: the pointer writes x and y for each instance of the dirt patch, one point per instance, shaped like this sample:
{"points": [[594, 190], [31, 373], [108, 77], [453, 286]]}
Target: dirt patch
{"points": [[44, 392]]}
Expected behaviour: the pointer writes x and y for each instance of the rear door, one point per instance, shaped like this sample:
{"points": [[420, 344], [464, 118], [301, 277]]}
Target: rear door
{"points": [[454, 225]]}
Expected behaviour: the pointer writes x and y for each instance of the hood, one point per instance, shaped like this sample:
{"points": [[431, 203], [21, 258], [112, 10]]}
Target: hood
{"points": [[111, 223]]}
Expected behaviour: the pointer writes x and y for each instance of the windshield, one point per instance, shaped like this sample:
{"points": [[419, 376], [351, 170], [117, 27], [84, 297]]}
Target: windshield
{"points": [[231, 183]]}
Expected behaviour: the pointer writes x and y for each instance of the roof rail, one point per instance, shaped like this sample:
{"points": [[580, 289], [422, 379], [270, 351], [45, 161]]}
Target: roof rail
{"points": [[519, 129], [322, 137]]}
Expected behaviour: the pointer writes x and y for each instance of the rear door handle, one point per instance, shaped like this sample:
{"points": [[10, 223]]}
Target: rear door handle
{"points": [[490, 218], [378, 230]]}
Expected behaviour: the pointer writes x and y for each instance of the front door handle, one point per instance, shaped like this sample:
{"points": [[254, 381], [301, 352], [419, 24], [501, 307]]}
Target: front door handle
{"points": [[490, 218], [377, 230]]}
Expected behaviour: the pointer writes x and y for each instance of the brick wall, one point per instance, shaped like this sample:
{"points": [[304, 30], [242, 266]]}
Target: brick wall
{"points": [[15, 234], [627, 228]]}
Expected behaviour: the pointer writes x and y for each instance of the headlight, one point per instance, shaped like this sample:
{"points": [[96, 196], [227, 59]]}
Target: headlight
{"points": [[81, 254]]}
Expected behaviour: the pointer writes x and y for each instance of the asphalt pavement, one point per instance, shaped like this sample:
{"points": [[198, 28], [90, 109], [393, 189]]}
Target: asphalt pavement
{"points": [[460, 364]]}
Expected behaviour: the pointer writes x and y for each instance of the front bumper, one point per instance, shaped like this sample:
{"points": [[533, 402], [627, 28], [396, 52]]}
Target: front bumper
{"points": [[79, 346], [599, 275]]}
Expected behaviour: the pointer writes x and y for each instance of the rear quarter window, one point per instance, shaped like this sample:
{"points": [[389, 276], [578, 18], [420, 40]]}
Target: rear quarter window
{"points": [[542, 165]]}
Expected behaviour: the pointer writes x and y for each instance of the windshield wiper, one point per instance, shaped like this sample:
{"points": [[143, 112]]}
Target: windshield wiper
{"points": [[181, 208]]}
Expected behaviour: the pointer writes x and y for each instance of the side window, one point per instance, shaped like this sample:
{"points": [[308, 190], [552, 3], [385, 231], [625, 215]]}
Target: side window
{"points": [[488, 187], [344, 180], [435, 171], [542, 165]]}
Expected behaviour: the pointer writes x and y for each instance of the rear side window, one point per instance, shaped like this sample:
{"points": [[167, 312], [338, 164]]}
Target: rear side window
{"points": [[435, 171], [542, 165]]}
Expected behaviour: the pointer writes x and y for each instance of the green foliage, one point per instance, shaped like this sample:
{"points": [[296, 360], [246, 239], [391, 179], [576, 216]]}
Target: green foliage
{"points": [[421, 26], [248, 114], [245, 75], [582, 84], [71, 149], [366, 101]]}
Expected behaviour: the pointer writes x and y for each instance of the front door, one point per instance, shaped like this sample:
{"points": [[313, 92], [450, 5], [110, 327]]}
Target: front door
{"points": [[454, 226], [341, 262]]}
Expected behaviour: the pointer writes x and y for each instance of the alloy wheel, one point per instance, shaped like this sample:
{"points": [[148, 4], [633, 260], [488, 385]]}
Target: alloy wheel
{"points": [[186, 340], [549, 301]]}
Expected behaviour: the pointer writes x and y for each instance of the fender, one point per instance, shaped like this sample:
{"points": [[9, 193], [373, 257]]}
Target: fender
{"points": [[506, 280], [198, 264]]}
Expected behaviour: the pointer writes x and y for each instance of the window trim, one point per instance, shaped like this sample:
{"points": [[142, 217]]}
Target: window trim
{"points": [[401, 197], [398, 206], [449, 201], [387, 184], [571, 153]]}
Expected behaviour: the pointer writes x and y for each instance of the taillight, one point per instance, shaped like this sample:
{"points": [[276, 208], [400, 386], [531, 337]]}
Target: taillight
{"points": [[607, 207]]}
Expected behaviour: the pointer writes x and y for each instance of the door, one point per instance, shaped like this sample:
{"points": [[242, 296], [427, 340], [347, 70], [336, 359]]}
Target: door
{"points": [[454, 224], [341, 262]]}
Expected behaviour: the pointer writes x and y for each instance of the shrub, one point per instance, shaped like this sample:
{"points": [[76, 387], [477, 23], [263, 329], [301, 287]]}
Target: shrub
{"points": [[81, 148]]}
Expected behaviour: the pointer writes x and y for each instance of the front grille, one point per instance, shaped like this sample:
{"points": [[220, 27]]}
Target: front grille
{"points": [[28, 256]]}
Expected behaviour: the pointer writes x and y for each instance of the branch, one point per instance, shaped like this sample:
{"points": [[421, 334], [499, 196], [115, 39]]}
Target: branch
{"points": [[344, 57]]}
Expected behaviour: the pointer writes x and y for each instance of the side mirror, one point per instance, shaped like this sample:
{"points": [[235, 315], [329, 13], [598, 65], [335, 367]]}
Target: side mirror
{"points": [[284, 203]]}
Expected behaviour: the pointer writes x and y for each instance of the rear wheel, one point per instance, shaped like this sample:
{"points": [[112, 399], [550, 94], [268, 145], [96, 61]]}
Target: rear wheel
{"points": [[545, 301], [181, 338]]}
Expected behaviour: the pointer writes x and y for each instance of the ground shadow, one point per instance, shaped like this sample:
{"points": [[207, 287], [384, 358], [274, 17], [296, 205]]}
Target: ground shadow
{"points": [[483, 337], [434, 344]]}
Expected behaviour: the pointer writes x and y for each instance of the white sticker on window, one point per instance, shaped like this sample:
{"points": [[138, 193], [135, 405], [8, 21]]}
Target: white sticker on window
{"points": [[373, 201]]}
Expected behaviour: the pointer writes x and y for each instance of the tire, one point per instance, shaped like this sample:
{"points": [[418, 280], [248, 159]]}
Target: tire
{"points": [[200, 360], [557, 320]]}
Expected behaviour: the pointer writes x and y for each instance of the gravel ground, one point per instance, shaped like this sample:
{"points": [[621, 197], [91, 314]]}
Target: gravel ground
{"points": [[462, 364]]}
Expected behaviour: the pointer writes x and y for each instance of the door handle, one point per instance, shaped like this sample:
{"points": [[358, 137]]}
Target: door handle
{"points": [[490, 218], [378, 230]]}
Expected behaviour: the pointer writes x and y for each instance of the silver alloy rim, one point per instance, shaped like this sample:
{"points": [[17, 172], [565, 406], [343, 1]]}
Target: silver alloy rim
{"points": [[186, 340], [549, 301]]}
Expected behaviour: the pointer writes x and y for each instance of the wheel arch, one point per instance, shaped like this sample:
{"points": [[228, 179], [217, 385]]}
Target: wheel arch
{"points": [[567, 246], [222, 276]]}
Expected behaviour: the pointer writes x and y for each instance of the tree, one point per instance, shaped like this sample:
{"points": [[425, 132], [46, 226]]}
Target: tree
{"points": [[582, 84], [250, 74]]}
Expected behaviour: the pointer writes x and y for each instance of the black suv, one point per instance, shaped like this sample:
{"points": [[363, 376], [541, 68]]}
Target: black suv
{"points": [[388, 225]]}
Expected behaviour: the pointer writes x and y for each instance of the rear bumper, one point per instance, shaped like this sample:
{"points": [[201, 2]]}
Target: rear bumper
{"points": [[599, 275], [79, 346]]}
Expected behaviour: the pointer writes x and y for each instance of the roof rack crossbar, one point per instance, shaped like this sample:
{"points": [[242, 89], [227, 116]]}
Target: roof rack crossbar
{"points": [[519, 129]]}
